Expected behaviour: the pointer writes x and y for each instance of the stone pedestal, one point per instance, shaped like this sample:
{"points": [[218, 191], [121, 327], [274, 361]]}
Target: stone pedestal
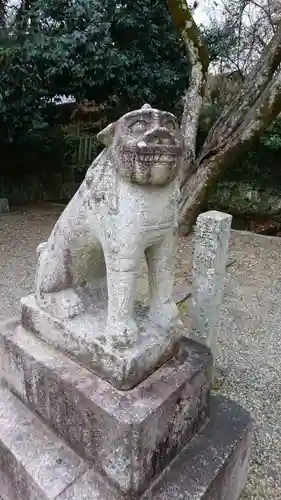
{"points": [[130, 435], [66, 433], [83, 339]]}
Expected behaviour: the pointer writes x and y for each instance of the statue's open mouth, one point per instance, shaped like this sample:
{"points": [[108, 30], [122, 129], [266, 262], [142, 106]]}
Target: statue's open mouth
{"points": [[151, 154], [151, 165], [154, 158]]}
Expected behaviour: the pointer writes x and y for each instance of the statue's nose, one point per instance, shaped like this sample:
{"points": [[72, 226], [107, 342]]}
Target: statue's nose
{"points": [[159, 136]]}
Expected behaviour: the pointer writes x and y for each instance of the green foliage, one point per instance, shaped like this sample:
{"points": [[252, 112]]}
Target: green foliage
{"points": [[90, 50], [220, 40], [154, 56], [117, 53], [260, 164], [271, 139]]}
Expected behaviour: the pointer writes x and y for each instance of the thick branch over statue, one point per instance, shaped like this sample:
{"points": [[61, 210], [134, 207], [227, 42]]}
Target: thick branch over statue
{"points": [[255, 84], [257, 105], [198, 56]]}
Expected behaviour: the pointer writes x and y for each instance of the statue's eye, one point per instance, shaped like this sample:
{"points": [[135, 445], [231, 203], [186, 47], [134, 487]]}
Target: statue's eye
{"points": [[170, 125], [138, 127]]}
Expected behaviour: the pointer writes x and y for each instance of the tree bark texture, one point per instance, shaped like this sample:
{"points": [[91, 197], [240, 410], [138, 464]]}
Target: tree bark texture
{"points": [[257, 104]]}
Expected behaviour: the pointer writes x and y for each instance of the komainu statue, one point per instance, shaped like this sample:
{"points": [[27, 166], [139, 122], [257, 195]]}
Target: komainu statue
{"points": [[126, 207]]}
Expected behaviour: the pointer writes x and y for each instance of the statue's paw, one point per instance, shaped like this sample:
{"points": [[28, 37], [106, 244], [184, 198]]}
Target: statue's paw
{"points": [[165, 314], [123, 333], [65, 304], [72, 304]]}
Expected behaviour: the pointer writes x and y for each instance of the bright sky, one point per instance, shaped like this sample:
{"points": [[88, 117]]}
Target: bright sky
{"points": [[205, 8], [200, 13]]}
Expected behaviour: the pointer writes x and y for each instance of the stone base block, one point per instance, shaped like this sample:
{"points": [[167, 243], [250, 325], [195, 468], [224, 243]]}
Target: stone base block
{"points": [[131, 436], [32, 459], [213, 466], [7, 489], [82, 338]]}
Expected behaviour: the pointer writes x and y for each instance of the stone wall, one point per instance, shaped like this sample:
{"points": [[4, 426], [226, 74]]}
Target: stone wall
{"points": [[246, 199]]}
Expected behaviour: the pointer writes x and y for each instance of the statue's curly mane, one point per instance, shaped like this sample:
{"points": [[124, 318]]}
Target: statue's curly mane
{"points": [[102, 177]]}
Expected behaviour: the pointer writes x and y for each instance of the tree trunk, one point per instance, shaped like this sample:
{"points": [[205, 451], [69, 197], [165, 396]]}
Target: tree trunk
{"points": [[3, 7], [197, 54], [255, 107]]}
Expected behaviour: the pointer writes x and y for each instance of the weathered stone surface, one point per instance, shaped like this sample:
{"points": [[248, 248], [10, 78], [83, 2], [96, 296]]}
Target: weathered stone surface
{"points": [[38, 465], [213, 466], [130, 435], [209, 267], [83, 339], [91, 486], [4, 206], [7, 488], [126, 208]]}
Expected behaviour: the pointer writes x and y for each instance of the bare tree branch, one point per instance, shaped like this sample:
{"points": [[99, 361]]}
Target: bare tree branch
{"points": [[256, 106], [251, 90], [266, 11], [256, 120], [253, 22]]}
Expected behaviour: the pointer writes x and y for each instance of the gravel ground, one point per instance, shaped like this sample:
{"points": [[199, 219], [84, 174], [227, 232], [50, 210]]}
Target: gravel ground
{"points": [[249, 342]]}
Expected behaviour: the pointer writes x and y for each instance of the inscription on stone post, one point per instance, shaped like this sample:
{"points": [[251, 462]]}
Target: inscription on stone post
{"points": [[209, 268]]}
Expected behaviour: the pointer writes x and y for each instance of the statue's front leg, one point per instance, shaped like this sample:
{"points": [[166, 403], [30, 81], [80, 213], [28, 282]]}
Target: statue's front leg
{"points": [[160, 263], [121, 283]]}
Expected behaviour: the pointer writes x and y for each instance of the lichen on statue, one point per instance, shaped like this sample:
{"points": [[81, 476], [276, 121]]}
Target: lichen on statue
{"points": [[126, 207]]}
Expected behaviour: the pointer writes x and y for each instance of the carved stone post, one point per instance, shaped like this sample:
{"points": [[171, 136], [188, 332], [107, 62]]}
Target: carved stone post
{"points": [[209, 267]]}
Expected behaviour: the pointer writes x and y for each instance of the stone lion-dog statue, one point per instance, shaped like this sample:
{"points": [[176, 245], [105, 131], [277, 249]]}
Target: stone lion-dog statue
{"points": [[126, 207]]}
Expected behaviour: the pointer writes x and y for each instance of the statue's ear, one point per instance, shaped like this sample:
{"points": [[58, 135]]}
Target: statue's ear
{"points": [[105, 136]]}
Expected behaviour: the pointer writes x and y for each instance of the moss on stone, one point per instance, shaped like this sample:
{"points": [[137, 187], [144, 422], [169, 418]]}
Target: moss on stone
{"points": [[246, 199]]}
